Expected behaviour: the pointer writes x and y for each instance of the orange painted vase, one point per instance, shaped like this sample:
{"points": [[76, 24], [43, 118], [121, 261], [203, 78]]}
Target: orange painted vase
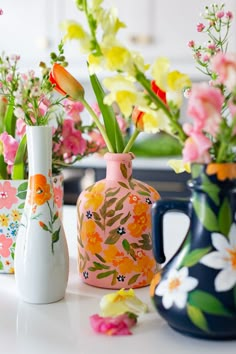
{"points": [[114, 228]]}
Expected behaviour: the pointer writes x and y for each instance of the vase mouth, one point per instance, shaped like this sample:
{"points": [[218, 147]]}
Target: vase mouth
{"points": [[110, 156]]}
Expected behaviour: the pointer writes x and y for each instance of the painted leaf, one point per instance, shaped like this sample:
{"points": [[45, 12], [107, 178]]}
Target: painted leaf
{"points": [[211, 189], [112, 238], [55, 237], [131, 183], [123, 170], [143, 193], [99, 224], [120, 204], [194, 256], [110, 213], [106, 274], [122, 184], [142, 186], [114, 219], [114, 278], [98, 266], [125, 219], [112, 194], [205, 215], [100, 258], [126, 245], [55, 217], [109, 202], [133, 279], [96, 216], [21, 206], [225, 217], [207, 303], [197, 317]]}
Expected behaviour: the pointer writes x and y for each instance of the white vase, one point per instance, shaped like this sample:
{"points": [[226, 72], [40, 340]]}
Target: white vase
{"points": [[41, 254]]}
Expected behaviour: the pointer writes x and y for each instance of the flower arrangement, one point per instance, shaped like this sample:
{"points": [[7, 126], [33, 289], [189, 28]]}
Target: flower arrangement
{"points": [[27, 98], [152, 105]]}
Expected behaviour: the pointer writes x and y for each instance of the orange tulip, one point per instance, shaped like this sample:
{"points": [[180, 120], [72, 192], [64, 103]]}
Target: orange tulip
{"points": [[65, 83]]}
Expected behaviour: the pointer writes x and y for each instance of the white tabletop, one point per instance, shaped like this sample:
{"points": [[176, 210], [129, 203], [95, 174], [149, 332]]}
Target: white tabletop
{"points": [[63, 327]]}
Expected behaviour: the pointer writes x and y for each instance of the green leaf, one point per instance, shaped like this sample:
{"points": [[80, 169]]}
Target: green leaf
{"points": [[125, 219], [120, 204], [122, 184], [126, 245], [96, 216], [55, 237], [142, 186], [225, 217], [110, 122], [197, 317], [124, 171], [193, 257], [23, 187], [205, 215], [143, 193], [1, 265], [196, 170], [106, 274], [112, 238], [98, 266], [112, 194], [3, 168], [110, 213], [114, 219], [207, 303], [133, 279], [211, 189], [18, 171], [100, 258], [10, 119], [21, 206]]}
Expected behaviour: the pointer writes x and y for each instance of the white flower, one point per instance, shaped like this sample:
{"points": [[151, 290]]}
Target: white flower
{"points": [[176, 287], [223, 258]]}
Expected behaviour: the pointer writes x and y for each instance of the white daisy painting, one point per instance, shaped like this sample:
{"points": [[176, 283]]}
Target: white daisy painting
{"points": [[174, 289], [224, 259]]}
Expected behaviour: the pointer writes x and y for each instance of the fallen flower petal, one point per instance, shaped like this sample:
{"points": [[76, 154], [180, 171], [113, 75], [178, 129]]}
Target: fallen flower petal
{"points": [[113, 326], [120, 302]]}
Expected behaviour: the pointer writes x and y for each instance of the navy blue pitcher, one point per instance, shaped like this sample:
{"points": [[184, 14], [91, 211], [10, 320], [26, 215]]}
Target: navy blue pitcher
{"points": [[195, 292]]}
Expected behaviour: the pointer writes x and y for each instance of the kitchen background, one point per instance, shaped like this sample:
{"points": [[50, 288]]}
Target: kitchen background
{"points": [[32, 29]]}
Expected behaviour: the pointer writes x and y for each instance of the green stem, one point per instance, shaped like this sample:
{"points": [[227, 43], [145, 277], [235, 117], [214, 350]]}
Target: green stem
{"points": [[160, 104], [97, 122], [131, 141], [221, 153]]}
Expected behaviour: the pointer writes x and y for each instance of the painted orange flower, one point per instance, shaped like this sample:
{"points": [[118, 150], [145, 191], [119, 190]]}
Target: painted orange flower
{"points": [[124, 264], [133, 199], [155, 281], [140, 224], [222, 170], [146, 266], [141, 208], [91, 237], [39, 190], [94, 196]]}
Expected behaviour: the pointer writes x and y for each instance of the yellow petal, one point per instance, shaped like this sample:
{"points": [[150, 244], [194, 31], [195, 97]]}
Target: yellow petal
{"points": [[179, 166]]}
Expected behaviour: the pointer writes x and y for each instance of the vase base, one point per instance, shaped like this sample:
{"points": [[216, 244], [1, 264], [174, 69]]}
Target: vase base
{"points": [[113, 287], [41, 301], [206, 336]]}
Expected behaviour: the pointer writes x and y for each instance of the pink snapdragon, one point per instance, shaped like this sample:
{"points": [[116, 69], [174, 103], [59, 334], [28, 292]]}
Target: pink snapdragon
{"points": [[196, 148], [73, 109], [20, 127], [224, 64], [204, 107], [113, 326], [10, 146]]}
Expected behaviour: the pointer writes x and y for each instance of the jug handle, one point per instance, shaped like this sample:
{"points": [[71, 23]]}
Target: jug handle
{"points": [[158, 211]]}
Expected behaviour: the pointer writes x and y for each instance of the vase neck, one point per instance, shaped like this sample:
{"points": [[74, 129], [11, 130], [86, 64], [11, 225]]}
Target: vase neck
{"points": [[119, 166], [39, 146]]}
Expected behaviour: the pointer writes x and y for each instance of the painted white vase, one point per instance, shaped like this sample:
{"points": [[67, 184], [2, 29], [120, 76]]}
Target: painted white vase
{"points": [[41, 254]]}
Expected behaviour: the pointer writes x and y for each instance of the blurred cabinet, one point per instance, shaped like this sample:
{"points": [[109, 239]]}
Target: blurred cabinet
{"points": [[154, 27]]}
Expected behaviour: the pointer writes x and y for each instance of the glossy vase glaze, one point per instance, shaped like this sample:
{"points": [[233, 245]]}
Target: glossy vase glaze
{"points": [[41, 254], [114, 228], [195, 292]]}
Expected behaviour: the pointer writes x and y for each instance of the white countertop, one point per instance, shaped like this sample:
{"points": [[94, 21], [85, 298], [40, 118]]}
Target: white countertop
{"points": [[63, 327]]}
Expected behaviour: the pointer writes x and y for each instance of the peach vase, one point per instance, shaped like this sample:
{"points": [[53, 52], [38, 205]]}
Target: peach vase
{"points": [[114, 228]]}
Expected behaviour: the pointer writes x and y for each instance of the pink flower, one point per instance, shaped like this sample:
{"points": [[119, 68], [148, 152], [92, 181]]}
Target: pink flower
{"points": [[73, 109], [122, 123], [200, 27], [7, 195], [20, 127], [224, 64], [229, 15], [1, 12], [191, 44], [204, 107], [196, 148], [10, 146], [58, 194], [97, 138], [220, 14], [112, 326], [5, 244]]}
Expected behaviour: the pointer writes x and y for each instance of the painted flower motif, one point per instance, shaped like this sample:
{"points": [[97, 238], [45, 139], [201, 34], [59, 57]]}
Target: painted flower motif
{"points": [[121, 230], [111, 326], [122, 301], [142, 220], [133, 199], [224, 258], [145, 265], [4, 220], [7, 195], [5, 244], [15, 215], [174, 289], [121, 278], [91, 237], [118, 259], [58, 196], [39, 190], [223, 171], [94, 196]]}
